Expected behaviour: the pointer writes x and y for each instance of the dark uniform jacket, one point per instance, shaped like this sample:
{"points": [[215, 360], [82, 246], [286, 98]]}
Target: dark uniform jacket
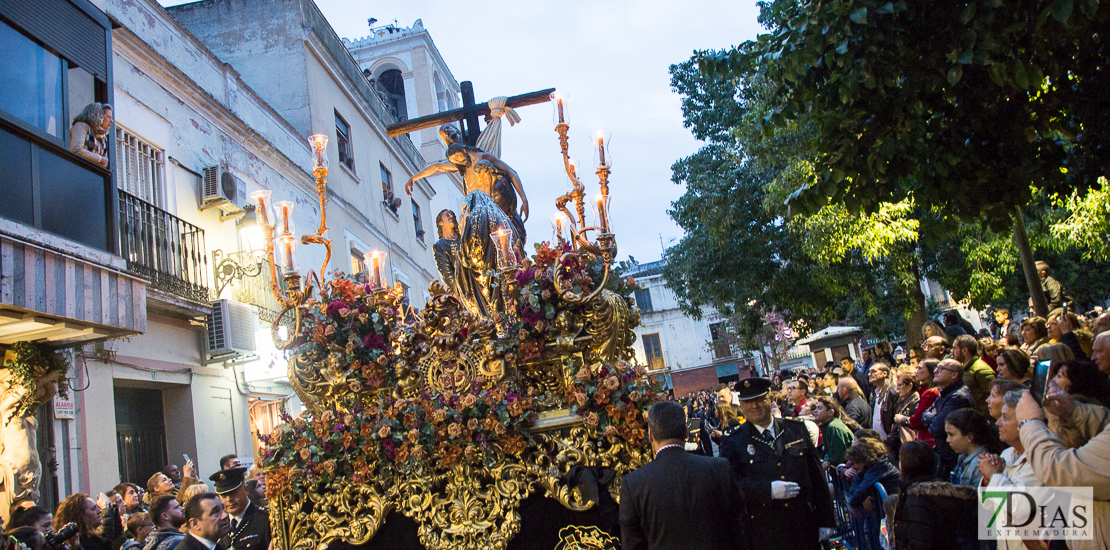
{"points": [[191, 543], [790, 524], [680, 501], [253, 533]]}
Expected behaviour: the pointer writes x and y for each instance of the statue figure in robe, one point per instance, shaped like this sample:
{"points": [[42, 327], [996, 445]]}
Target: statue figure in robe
{"points": [[461, 281], [466, 256]]}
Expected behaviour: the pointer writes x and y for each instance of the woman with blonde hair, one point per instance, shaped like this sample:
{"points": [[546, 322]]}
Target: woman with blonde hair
{"points": [[88, 137], [1057, 353]]}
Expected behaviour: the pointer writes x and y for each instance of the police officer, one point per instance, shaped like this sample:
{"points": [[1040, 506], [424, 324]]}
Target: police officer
{"points": [[775, 464], [250, 523]]}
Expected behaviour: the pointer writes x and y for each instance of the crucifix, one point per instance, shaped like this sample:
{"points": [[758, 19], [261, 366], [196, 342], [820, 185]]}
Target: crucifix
{"points": [[469, 113]]}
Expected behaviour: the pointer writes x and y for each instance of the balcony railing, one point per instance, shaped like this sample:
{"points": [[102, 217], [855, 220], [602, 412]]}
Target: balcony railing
{"points": [[246, 278], [164, 248]]}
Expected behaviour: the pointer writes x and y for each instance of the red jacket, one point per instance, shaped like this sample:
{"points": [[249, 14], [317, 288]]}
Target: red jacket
{"points": [[927, 397]]}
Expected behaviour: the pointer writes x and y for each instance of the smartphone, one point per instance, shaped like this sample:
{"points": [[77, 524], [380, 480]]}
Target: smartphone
{"points": [[1040, 380], [186, 457], [1066, 309]]}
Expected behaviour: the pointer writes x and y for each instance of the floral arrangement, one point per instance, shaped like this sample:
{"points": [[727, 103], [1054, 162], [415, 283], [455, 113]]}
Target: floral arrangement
{"points": [[391, 437], [378, 436], [613, 399], [539, 299]]}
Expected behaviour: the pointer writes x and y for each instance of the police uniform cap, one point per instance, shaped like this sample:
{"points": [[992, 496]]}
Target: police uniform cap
{"points": [[751, 388], [228, 480]]}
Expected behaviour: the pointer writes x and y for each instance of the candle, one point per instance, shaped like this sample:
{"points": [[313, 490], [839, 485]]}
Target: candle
{"points": [[503, 235], [288, 244], [319, 142], [375, 270], [285, 215], [562, 118], [601, 149], [602, 214], [262, 211], [262, 197]]}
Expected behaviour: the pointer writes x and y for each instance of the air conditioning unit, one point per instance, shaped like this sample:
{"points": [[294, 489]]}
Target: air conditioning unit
{"points": [[221, 189], [231, 328]]}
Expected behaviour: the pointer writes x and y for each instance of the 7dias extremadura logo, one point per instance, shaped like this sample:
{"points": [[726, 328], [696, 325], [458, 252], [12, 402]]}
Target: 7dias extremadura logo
{"points": [[1012, 513]]}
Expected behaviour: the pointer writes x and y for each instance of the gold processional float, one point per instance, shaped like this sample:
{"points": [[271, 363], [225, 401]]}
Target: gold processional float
{"points": [[513, 382]]}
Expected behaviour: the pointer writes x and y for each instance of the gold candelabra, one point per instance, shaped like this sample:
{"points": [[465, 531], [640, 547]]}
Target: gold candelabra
{"points": [[605, 245], [295, 297]]}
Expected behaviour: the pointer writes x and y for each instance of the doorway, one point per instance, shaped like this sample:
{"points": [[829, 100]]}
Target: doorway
{"points": [[140, 434]]}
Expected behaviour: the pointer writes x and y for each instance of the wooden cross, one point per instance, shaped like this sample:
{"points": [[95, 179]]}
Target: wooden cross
{"points": [[468, 113]]}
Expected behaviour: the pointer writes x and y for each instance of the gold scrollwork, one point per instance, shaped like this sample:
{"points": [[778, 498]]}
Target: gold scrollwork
{"points": [[586, 537]]}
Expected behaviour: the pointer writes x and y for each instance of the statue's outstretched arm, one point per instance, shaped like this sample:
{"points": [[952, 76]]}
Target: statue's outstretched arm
{"points": [[430, 170], [515, 178]]}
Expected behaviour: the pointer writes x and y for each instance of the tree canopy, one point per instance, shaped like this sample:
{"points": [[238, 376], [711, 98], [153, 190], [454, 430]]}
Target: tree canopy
{"points": [[967, 110]]}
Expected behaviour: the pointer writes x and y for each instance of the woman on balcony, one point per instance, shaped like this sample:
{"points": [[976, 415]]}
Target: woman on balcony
{"points": [[88, 137]]}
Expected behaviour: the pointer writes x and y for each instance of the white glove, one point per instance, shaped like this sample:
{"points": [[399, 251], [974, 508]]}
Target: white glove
{"points": [[690, 446], [782, 490]]}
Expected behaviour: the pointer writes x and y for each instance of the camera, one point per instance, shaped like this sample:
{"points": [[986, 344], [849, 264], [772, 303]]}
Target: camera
{"points": [[57, 539]]}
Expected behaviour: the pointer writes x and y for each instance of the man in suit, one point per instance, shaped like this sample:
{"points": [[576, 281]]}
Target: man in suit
{"points": [[206, 521], [781, 482], [250, 523], [680, 500]]}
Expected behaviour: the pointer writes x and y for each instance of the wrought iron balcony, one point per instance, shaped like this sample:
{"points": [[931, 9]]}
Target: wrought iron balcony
{"points": [[164, 248], [246, 277]]}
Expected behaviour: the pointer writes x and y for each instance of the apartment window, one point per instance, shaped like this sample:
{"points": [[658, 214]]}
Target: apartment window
{"points": [[32, 78], [343, 142], [653, 351], [416, 221], [718, 333], [643, 300], [140, 170], [357, 266], [388, 198]]}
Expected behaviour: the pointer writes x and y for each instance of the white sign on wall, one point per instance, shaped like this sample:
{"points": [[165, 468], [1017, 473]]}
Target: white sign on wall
{"points": [[64, 409]]}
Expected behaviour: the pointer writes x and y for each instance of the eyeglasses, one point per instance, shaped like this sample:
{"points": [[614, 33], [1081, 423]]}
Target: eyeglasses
{"points": [[949, 369]]}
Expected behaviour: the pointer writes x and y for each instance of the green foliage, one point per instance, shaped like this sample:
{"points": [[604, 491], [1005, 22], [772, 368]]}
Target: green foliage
{"points": [[1087, 226], [31, 363], [742, 255], [966, 111]]}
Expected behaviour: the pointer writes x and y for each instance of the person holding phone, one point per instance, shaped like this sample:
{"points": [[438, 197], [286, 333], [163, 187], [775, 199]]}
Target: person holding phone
{"points": [[1059, 466]]}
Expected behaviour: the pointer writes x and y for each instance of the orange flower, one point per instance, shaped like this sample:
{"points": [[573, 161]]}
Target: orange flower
{"points": [[384, 431], [414, 436], [472, 424], [592, 419], [329, 466], [454, 429], [305, 454]]}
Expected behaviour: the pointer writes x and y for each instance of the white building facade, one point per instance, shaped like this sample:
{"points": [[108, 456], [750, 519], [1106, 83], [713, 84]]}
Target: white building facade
{"points": [[679, 348], [205, 116]]}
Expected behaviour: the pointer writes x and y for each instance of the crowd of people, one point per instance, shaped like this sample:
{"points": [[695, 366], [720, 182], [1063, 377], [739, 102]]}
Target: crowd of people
{"points": [[1018, 405], [174, 511]]}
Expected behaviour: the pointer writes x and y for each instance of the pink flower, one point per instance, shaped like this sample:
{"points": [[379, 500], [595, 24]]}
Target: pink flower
{"points": [[581, 398], [355, 386]]}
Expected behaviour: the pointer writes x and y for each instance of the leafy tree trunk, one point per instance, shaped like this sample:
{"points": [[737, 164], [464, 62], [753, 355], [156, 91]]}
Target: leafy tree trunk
{"points": [[918, 315], [1021, 239]]}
